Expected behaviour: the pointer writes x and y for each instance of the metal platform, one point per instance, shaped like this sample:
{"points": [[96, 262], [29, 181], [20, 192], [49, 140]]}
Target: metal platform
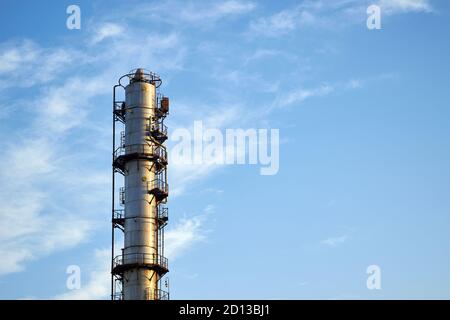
{"points": [[158, 188], [156, 154], [149, 261]]}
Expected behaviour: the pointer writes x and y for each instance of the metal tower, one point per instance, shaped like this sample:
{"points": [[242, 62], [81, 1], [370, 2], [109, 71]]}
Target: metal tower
{"points": [[141, 158]]}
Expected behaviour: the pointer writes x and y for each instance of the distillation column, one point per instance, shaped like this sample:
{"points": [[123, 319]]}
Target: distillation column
{"points": [[140, 210], [143, 161]]}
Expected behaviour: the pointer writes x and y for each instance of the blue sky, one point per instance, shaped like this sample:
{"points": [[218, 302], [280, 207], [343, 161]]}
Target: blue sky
{"points": [[364, 145]]}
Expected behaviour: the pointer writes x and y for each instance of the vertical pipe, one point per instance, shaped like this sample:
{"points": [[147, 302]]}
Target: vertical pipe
{"points": [[113, 190]]}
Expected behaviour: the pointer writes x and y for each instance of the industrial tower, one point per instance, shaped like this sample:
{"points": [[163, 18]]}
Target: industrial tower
{"points": [[141, 158]]}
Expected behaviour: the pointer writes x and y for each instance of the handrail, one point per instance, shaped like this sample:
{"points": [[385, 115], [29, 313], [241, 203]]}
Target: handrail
{"points": [[119, 105], [119, 214], [148, 76], [163, 213], [141, 258], [117, 296], [147, 149], [157, 127], [156, 294], [120, 109], [158, 184], [122, 195]]}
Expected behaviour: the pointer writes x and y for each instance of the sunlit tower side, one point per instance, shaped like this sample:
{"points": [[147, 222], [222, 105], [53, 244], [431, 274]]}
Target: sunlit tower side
{"points": [[139, 155]]}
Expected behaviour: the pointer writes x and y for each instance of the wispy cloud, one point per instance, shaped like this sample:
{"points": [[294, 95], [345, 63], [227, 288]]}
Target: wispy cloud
{"points": [[282, 22], [334, 242], [218, 117], [12, 58], [403, 6], [35, 234], [37, 173], [190, 13], [300, 95], [67, 104], [215, 11], [328, 14], [183, 235], [261, 54], [24, 63], [98, 285], [105, 31], [53, 155], [27, 213]]}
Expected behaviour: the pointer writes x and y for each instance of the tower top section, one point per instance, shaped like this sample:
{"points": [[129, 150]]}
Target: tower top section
{"points": [[141, 75]]}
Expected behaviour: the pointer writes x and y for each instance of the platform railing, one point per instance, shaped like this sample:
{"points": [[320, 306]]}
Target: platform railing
{"points": [[146, 149], [158, 128], [119, 214], [156, 294], [158, 184], [117, 296], [163, 213], [141, 259]]}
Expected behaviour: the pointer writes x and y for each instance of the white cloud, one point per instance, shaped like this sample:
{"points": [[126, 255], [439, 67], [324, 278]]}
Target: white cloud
{"points": [[32, 225], [183, 235], [36, 235], [184, 174], [105, 31], [215, 191], [39, 213], [282, 22], [300, 95], [192, 276], [15, 57], [200, 13], [328, 14], [354, 84], [209, 209], [262, 53], [36, 221], [47, 177], [334, 242], [403, 6], [231, 7], [139, 49], [25, 64], [98, 285], [64, 106]]}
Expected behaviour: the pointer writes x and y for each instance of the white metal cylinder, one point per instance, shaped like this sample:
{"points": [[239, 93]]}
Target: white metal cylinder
{"points": [[140, 229]]}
